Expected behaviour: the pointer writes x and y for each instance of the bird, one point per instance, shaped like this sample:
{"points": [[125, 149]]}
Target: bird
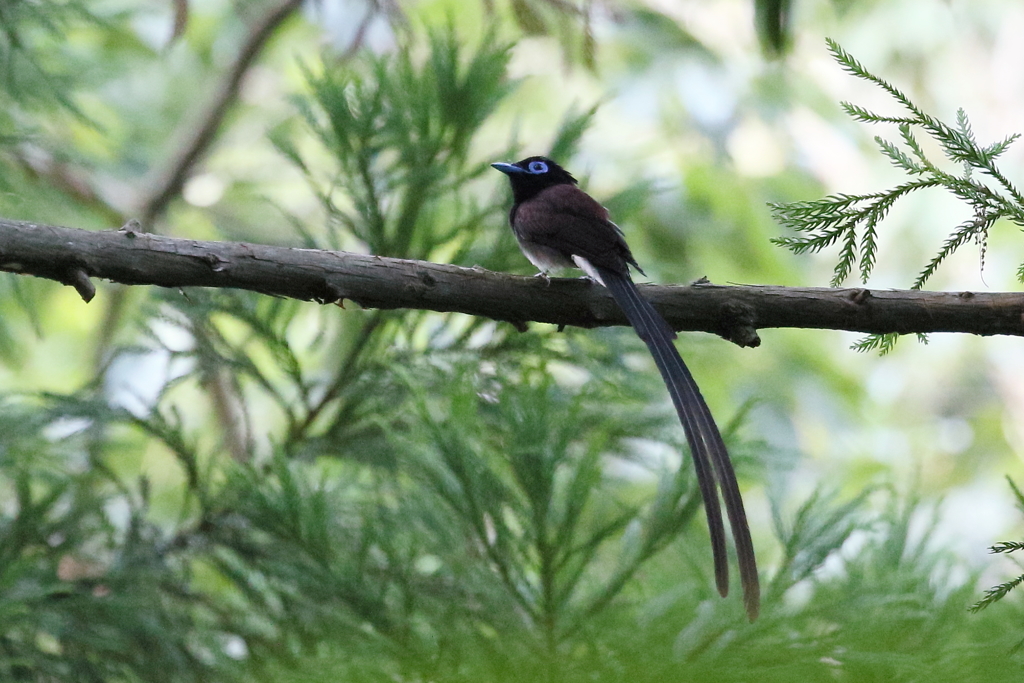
{"points": [[558, 226]]}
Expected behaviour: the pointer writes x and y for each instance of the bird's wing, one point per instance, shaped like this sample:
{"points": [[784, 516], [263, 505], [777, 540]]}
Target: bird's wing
{"points": [[566, 219]]}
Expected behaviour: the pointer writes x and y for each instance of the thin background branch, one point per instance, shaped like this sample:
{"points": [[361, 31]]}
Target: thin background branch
{"points": [[165, 183]]}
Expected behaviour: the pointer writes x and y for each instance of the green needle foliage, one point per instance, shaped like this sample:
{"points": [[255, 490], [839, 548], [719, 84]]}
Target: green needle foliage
{"points": [[997, 593], [28, 30], [307, 493], [86, 595], [852, 221], [400, 128]]}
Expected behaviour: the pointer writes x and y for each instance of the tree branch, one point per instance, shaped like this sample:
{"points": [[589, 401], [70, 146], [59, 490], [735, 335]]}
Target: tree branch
{"points": [[132, 257]]}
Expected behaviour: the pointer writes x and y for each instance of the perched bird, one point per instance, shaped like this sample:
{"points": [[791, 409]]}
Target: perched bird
{"points": [[559, 225]]}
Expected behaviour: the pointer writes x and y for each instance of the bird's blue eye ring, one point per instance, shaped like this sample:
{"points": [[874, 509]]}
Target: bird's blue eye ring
{"points": [[537, 167]]}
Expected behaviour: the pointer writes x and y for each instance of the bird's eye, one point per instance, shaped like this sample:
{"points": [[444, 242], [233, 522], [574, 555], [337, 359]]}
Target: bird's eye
{"points": [[537, 167]]}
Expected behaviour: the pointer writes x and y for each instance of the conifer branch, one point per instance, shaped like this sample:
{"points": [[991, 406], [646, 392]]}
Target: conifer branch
{"points": [[853, 220]]}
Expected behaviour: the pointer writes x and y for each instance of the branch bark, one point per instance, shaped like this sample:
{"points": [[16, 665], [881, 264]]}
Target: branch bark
{"points": [[132, 257]]}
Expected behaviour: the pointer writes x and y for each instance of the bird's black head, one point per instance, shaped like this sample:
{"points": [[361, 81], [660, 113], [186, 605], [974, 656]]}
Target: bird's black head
{"points": [[533, 174]]}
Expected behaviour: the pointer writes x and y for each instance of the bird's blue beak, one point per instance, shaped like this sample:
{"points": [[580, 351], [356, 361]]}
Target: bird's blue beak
{"points": [[508, 169]]}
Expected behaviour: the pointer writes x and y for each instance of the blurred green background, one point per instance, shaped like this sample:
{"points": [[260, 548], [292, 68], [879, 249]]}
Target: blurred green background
{"points": [[214, 485]]}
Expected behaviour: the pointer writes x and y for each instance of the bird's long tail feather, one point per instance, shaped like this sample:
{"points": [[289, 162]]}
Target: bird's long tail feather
{"points": [[710, 458]]}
